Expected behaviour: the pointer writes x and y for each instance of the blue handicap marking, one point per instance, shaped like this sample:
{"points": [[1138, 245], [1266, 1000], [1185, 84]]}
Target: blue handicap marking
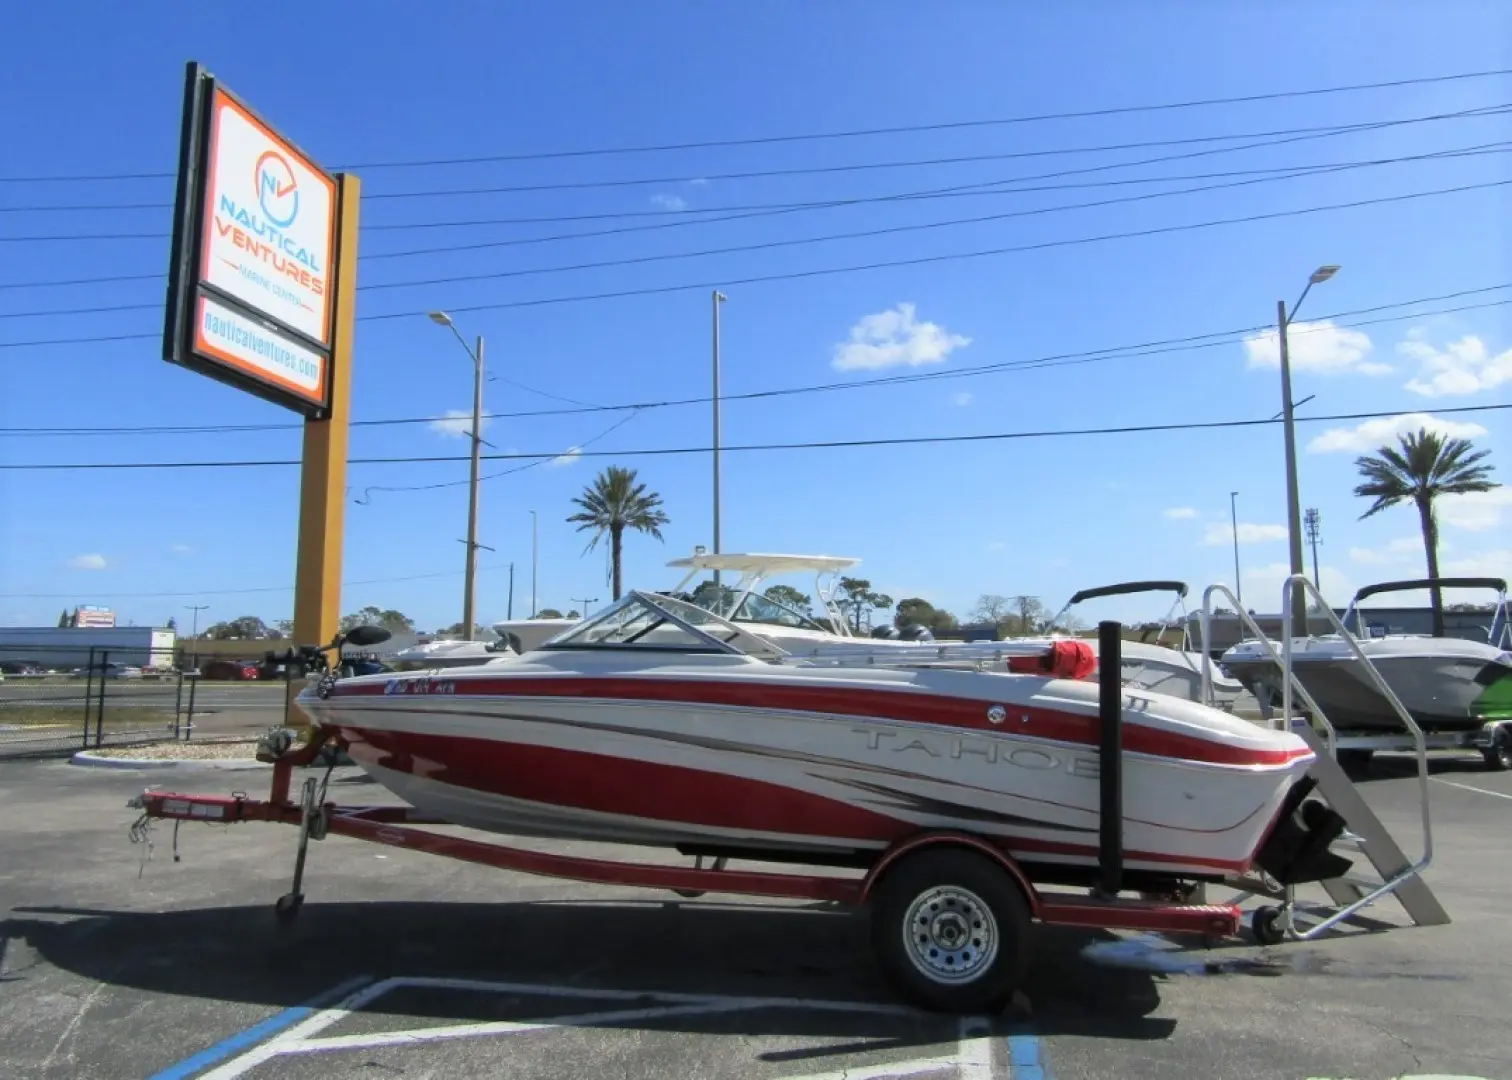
{"points": [[1026, 1062]]}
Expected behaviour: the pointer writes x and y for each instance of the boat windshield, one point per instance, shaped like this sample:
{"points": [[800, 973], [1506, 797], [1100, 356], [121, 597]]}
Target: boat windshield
{"points": [[753, 607], [643, 621]]}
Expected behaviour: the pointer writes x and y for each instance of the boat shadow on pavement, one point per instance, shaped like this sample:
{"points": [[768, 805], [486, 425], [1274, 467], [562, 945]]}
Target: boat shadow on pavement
{"points": [[814, 953]]}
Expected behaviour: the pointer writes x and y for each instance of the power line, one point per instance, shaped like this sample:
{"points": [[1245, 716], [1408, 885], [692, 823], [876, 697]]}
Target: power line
{"points": [[668, 451], [793, 242], [796, 275], [1111, 352], [811, 170], [852, 133]]}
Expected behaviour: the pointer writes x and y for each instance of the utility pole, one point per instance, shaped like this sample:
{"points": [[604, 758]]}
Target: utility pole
{"points": [[1293, 500], [194, 632], [1234, 522], [533, 558], [469, 584], [719, 298], [585, 601], [1314, 536], [510, 614]]}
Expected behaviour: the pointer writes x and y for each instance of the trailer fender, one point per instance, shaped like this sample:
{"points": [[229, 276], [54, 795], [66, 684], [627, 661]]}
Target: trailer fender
{"points": [[924, 841]]}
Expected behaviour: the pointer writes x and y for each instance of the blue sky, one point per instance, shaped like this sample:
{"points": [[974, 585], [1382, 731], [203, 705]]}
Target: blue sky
{"points": [[1041, 516]]}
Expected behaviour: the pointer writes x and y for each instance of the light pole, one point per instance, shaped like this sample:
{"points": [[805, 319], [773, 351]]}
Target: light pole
{"points": [[585, 601], [194, 631], [1314, 536], [469, 585], [718, 299], [1293, 499], [1234, 522], [533, 559]]}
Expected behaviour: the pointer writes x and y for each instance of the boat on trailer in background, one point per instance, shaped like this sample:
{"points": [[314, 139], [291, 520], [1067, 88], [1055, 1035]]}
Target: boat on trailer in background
{"points": [[966, 783]]}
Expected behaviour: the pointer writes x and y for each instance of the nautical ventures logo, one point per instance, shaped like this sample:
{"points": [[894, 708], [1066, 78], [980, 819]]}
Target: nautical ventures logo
{"points": [[277, 189]]}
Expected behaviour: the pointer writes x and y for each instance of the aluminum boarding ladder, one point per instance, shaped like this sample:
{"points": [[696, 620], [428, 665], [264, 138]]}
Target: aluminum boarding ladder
{"points": [[1366, 833]]}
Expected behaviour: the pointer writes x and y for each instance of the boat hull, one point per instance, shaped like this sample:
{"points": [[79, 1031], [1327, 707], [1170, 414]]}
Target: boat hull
{"points": [[1444, 694], [827, 768]]}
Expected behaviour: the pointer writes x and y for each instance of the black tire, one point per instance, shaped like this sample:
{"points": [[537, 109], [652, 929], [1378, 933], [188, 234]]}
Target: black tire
{"points": [[946, 894], [1499, 756], [1355, 761], [1265, 924]]}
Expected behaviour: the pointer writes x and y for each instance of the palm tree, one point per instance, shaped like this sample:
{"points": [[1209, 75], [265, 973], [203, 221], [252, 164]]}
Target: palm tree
{"points": [[1426, 466], [613, 504]]}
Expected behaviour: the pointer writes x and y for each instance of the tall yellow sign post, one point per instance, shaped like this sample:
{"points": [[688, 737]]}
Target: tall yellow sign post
{"points": [[262, 296]]}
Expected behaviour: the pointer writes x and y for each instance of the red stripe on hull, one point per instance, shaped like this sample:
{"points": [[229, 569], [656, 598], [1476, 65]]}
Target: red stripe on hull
{"points": [[583, 780], [907, 705], [614, 785]]}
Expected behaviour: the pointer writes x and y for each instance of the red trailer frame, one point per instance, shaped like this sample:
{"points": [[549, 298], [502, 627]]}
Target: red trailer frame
{"points": [[402, 827]]}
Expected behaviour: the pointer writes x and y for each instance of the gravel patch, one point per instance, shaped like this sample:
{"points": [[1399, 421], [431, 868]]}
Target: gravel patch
{"points": [[191, 751]]}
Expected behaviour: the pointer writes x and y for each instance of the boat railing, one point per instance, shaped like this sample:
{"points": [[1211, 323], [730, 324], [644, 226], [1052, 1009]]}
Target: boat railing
{"points": [[1419, 743], [1288, 679], [863, 654]]}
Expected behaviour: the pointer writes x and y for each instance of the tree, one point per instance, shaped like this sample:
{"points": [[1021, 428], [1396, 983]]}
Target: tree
{"points": [[284, 628], [614, 503], [172, 624], [1030, 611], [916, 610], [63, 620], [548, 613], [786, 594], [245, 628], [991, 608], [857, 596], [395, 622], [455, 630], [1423, 466], [573, 614]]}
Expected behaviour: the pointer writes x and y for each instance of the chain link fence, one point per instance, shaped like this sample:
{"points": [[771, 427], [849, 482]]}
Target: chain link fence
{"points": [[56, 700]]}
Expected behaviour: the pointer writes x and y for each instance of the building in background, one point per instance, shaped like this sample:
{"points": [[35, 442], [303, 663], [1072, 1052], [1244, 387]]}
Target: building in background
{"points": [[63, 648], [86, 616]]}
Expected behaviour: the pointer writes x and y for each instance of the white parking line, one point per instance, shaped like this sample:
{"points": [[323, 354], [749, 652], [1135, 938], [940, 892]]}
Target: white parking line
{"points": [[973, 1059], [1472, 787]]}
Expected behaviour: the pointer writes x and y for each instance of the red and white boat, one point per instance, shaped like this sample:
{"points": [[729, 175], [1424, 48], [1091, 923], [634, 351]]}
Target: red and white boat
{"points": [[962, 779], [659, 723]]}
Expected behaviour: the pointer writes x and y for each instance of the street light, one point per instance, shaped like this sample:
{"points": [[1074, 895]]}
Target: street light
{"points": [[718, 299], [1234, 522], [1293, 499], [469, 585]]}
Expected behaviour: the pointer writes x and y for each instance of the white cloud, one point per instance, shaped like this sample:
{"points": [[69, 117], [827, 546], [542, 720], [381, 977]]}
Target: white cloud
{"points": [[669, 202], [457, 422], [1179, 513], [1223, 533], [181, 549], [997, 545], [1460, 367], [87, 562], [895, 338], [699, 181], [568, 458], [1262, 586], [961, 399], [1402, 549], [1319, 347], [1475, 511], [1373, 434]]}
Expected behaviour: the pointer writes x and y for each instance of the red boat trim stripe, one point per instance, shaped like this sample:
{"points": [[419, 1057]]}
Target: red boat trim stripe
{"points": [[668, 793], [911, 706]]}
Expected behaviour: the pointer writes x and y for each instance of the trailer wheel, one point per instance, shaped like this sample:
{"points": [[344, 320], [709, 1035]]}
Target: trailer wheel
{"points": [[1499, 755], [1265, 924], [951, 931]]}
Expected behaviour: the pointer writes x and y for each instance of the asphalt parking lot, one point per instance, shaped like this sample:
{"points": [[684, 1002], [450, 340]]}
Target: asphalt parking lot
{"points": [[408, 965]]}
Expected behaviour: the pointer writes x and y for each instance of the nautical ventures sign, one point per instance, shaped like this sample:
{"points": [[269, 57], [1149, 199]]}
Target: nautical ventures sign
{"points": [[252, 280]]}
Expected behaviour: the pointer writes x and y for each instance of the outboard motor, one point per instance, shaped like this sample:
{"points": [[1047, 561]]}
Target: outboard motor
{"points": [[885, 633], [916, 632]]}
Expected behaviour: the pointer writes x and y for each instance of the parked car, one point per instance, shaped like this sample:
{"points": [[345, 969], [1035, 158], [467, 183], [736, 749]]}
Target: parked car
{"points": [[21, 667], [236, 670]]}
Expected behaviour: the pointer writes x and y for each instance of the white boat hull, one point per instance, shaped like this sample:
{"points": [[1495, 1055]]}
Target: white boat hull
{"points": [[823, 763]]}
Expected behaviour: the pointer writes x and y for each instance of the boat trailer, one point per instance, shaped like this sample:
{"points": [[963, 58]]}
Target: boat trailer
{"points": [[952, 883]]}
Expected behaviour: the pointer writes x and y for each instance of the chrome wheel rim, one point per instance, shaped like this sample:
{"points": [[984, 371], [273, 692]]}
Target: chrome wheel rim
{"points": [[950, 935]]}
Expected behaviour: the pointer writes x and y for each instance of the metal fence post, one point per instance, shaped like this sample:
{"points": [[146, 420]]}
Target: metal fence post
{"points": [[88, 697], [178, 701], [189, 722], [100, 710]]}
